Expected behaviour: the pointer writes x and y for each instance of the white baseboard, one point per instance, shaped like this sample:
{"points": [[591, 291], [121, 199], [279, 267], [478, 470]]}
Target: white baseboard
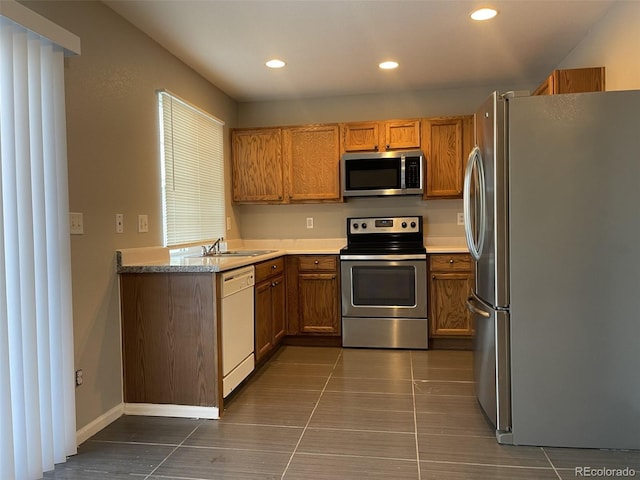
{"points": [[151, 409], [99, 423], [166, 410]]}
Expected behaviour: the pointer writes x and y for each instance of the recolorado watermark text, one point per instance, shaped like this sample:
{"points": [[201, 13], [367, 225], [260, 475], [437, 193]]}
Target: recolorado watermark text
{"points": [[604, 472]]}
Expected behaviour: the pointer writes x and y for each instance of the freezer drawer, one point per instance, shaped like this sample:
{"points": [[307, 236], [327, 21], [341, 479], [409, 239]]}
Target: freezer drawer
{"points": [[491, 363]]}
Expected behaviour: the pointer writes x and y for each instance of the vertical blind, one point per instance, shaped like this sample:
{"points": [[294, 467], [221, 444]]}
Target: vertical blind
{"points": [[192, 172], [37, 397]]}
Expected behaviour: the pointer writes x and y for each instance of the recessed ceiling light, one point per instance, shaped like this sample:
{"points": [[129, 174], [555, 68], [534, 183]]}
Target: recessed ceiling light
{"points": [[483, 14], [275, 63], [389, 65]]}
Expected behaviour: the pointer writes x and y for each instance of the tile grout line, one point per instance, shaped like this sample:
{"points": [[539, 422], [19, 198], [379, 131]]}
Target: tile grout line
{"points": [[295, 449], [174, 450], [551, 463], [415, 415]]}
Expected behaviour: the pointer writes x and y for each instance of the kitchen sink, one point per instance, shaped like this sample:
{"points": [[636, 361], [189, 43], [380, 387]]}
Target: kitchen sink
{"points": [[238, 253]]}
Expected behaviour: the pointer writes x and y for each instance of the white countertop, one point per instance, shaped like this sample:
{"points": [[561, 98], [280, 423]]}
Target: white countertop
{"points": [[163, 259]]}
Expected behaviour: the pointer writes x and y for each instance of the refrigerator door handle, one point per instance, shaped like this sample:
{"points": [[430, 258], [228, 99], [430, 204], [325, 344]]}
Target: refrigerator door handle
{"points": [[474, 163], [471, 301]]}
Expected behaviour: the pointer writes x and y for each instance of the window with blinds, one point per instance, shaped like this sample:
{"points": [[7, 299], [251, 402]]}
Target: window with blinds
{"points": [[192, 172]]}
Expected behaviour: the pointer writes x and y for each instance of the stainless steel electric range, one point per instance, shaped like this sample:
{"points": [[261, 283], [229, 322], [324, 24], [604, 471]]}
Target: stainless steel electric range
{"points": [[384, 283]]}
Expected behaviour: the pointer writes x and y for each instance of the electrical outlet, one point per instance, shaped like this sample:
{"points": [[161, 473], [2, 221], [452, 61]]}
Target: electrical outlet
{"points": [[309, 222], [143, 223], [76, 224], [79, 377], [228, 223], [460, 218], [119, 223]]}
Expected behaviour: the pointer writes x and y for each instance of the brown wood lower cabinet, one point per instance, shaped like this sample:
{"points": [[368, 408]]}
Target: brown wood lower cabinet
{"points": [[313, 287], [270, 313], [169, 338], [450, 282]]}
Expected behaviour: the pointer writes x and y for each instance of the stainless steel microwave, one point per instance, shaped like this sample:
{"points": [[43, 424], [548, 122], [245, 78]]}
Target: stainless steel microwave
{"points": [[382, 173]]}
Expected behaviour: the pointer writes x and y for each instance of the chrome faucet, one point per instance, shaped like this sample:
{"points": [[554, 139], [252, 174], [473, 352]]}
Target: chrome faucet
{"points": [[215, 248]]}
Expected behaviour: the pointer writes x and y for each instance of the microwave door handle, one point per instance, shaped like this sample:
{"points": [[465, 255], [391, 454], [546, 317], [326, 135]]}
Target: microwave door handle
{"points": [[403, 173]]}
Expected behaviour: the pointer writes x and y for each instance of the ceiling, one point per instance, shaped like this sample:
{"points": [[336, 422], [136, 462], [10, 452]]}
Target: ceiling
{"points": [[333, 47]]}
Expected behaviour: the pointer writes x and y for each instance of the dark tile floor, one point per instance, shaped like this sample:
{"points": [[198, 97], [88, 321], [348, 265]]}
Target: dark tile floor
{"points": [[330, 413]]}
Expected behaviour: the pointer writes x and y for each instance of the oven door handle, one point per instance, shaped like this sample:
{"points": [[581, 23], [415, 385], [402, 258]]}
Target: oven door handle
{"points": [[411, 256]]}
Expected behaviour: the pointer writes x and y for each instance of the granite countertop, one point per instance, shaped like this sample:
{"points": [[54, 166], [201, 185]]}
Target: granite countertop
{"points": [[188, 259]]}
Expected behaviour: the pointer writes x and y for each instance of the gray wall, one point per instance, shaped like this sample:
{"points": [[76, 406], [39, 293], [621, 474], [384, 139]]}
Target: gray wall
{"points": [[112, 131]]}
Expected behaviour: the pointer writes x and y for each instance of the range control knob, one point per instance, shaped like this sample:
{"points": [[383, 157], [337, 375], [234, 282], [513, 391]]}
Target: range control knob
{"points": [[364, 225], [355, 226], [413, 224], [404, 224]]}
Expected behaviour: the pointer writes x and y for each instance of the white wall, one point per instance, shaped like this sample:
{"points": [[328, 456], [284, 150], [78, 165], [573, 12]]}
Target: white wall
{"points": [[615, 43]]}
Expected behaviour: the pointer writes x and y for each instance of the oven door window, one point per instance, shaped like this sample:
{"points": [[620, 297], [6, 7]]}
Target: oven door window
{"points": [[382, 286]]}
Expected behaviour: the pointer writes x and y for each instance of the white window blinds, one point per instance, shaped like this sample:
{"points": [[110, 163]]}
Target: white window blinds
{"points": [[37, 393], [192, 172]]}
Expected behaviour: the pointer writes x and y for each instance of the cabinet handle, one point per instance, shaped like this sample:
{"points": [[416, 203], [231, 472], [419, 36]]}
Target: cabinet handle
{"points": [[433, 277], [388, 146], [275, 284], [451, 261], [316, 262], [273, 267]]}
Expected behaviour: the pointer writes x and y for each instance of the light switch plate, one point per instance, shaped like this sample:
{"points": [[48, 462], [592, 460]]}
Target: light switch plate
{"points": [[76, 223], [143, 223], [460, 218], [119, 223]]}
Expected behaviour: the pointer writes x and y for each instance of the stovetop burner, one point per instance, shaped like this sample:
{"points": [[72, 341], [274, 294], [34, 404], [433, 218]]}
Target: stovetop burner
{"points": [[384, 235]]}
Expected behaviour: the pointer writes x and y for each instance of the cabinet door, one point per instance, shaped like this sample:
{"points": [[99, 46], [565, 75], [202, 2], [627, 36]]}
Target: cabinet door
{"points": [[257, 166], [263, 319], [447, 304], [278, 311], [312, 162], [318, 303], [573, 80], [360, 137], [446, 142], [401, 134]]}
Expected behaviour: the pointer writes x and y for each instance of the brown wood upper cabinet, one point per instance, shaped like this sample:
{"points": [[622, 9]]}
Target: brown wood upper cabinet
{"points": [[312, 162], [380, 136], [257, 165], [286, 165], [573, 80], [447, 141]]}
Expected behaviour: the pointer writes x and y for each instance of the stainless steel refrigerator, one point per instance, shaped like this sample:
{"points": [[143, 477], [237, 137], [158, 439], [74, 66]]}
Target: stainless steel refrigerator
{"points": [[552, 214]]}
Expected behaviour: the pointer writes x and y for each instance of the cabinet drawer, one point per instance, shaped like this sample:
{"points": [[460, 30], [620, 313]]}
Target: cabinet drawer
{"points": [[454, 262], [315, 263], [269, 268]]}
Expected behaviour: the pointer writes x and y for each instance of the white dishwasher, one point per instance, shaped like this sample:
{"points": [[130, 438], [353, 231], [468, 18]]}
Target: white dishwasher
{"points": [[237, 326]]}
